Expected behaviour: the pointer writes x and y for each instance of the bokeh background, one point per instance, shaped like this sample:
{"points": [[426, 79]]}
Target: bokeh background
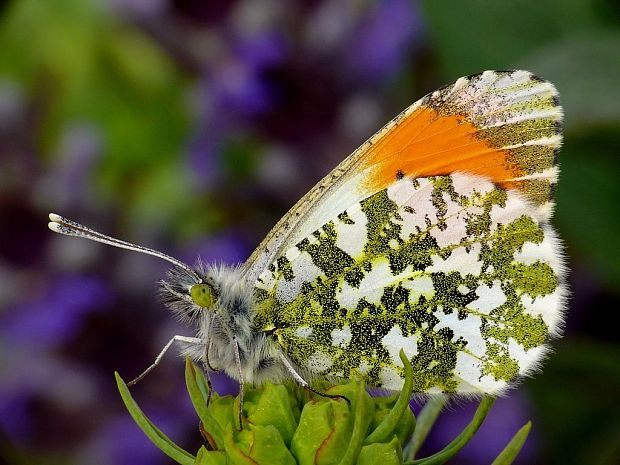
{"points": [[192, 126]]}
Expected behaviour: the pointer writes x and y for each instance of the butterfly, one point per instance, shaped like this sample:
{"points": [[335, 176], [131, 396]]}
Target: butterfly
{"points": [[433, 237]]}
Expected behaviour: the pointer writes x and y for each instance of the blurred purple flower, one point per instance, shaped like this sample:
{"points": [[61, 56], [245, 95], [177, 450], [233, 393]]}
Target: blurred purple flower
{"points": [[15, 417], [232, 90], [260, 51], [56, 314], [224, 385], [203, 160], [381, 44], [121, 442], [140, 8], [507, 416], [225, 248], [237, 85], [68, 184], [29, 378]]}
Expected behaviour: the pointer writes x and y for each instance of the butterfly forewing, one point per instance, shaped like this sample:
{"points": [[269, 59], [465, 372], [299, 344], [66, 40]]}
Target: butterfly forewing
{"points": [[460, 273], [502, 125]]}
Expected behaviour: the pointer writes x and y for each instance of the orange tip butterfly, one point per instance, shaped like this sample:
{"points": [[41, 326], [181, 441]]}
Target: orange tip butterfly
{"points": [[434, 237]]}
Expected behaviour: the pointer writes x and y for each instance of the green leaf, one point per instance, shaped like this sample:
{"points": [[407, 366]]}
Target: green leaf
{"points": [[211, 457], [389, 424], [511, 450], [381, 454], [199, 401], [152, 432], [271, 405], [462, 439], [257, 445], [426, 420]]}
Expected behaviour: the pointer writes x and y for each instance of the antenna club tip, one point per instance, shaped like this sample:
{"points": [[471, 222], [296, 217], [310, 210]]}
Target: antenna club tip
{"points": [[54, 227], [54, 217]]}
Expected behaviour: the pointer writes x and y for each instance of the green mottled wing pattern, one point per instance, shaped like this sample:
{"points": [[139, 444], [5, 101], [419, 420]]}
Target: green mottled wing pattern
{"points": [[466, 277]]}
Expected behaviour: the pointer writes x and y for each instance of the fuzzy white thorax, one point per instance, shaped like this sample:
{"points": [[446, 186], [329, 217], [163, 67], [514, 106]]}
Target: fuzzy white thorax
{"points": [[230, 319]]}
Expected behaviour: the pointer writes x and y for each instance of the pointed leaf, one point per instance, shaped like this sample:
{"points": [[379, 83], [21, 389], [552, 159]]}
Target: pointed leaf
{"points": [[381, 454], [197, 396], [323, 432], [271, 405], [462, 439], [152, 432], [389, 424], [512, 449], [257, 445], [361, 420], [426, 420]]}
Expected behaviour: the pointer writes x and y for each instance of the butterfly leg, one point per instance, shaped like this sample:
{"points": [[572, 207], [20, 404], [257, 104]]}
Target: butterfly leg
{"points": [[185, 339], [238, 360], [206, 369], [297, 377]]}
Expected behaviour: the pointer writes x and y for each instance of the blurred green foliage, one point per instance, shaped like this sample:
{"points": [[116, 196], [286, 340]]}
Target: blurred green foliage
{"points": [[76, 62]]}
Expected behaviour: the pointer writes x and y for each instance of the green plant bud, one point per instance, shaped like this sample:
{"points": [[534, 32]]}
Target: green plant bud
{"points": [[349, 390], [323, 433], [211, 457], [285, 424], [223, 410], [257, 445], [390, 453], [271, 405]]}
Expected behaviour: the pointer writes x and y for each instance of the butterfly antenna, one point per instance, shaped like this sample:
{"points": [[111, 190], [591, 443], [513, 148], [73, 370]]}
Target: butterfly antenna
{"points": [[62, 225]]}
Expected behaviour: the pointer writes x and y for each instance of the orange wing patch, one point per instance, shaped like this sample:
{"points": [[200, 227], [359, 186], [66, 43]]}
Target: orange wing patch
{"points": [[425, 144], [508, 134]]}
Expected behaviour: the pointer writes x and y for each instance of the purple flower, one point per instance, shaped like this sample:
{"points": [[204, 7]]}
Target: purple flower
{"points": [[68, 184], [229, 249], [30, 329], [56, 314], [384, 39], [29, 379], [15, 418], [203, 160], [233, 89], [121, 442], [260, 51], [224, 385]]}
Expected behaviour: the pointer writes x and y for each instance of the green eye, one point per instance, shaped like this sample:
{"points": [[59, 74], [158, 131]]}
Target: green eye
{"points": [[202, 295]]}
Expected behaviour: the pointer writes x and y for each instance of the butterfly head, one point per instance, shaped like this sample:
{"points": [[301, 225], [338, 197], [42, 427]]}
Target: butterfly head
{"points": [[189, 292], [202, 295]]}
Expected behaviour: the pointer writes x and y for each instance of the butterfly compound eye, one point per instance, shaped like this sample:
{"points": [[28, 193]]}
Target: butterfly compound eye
{"points": [[202, 295]]}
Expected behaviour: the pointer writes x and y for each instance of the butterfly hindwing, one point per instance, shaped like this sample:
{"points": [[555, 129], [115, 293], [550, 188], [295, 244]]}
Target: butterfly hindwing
{"points": [[502, 125], [460, 273]]}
